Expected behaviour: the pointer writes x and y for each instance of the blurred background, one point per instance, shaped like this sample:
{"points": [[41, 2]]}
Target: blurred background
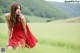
{"points": [[43, 10], [55, 23]]}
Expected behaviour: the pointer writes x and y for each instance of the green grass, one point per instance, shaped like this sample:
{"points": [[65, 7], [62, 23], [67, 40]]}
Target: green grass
{"points": [[36, 19], [52, 37], [30, 19]]}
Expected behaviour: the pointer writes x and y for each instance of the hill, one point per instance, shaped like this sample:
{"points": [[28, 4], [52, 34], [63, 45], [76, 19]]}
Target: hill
{"points": [[69, 20], [39, 8], [72, 8]]}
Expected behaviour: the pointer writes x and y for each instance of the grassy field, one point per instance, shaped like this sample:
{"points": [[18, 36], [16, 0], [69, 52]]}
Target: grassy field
{"points": [[53, 38], [29, 19]]}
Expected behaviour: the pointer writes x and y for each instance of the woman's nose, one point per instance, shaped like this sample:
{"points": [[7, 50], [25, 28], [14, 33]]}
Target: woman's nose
{"points": [[18, 10]]}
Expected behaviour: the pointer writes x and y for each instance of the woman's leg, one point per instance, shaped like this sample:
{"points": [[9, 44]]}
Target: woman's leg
{"points": [[10, 47]]}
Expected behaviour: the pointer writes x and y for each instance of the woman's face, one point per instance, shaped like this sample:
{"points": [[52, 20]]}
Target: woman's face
{"points": [[18, 10]]}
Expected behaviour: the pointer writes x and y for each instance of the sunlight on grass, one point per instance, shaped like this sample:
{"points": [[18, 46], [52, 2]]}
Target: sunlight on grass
{"points": [[52, 37], [43, 48]]}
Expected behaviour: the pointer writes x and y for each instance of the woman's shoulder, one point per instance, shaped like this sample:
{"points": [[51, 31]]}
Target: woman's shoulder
{"points": [[7, 15], [22, 16]]}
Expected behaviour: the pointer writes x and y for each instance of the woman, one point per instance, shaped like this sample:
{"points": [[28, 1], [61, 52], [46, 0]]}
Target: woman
{"points": [[19, 33]]}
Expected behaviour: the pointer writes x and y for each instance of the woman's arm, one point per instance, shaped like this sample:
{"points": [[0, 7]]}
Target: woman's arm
{"points": [[10, 34], [9, 26], [24, 24]]}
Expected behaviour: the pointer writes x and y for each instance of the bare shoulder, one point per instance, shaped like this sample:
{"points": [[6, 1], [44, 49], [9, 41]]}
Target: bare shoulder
{"points": [[7, 15], [22, 17]]}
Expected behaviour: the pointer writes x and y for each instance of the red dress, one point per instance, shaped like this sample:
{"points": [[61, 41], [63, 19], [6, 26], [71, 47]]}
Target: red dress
{"points": [[19, 37]]}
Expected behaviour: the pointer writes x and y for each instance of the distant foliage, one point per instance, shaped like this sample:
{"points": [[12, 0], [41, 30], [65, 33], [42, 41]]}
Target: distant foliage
{"points": [[2, 20], [38, 8], [71, 8], [0, 11]]}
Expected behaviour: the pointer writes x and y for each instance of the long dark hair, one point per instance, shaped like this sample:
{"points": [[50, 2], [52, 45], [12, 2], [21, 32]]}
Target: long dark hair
{"points": [[14, 18]]}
